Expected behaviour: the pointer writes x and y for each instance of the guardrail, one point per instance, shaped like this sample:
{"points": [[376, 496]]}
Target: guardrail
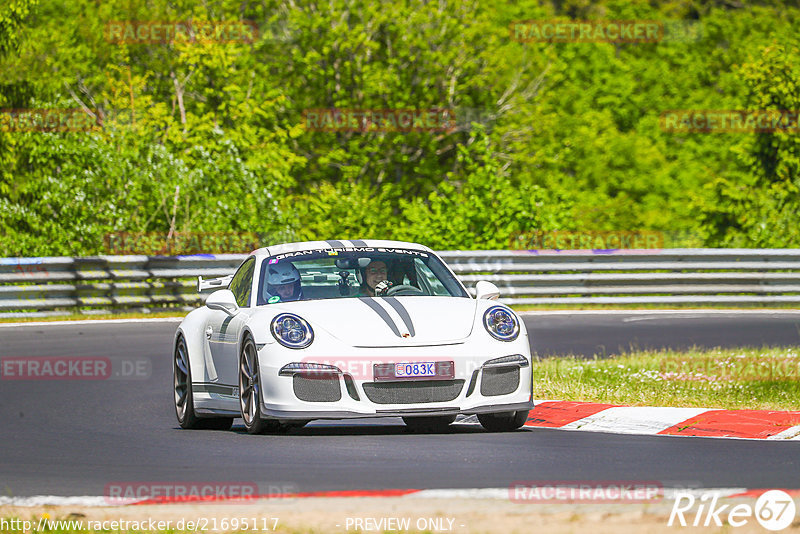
{"points": [[99, 284], [32, 287]]}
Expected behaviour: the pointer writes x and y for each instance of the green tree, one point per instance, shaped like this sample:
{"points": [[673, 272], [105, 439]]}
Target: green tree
{"points": [[761, 207], [480, 207], [12, 16]]}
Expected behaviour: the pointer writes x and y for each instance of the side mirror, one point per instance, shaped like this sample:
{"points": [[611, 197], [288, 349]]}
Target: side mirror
{"points": [[223, 300], [487, 290]]}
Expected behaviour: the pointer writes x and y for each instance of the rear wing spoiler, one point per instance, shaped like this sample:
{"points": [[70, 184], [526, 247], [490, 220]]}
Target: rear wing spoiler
{"points": [[213, 283]]}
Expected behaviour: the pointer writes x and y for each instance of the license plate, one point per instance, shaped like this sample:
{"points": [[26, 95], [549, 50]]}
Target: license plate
{"points": [[414, 371]]}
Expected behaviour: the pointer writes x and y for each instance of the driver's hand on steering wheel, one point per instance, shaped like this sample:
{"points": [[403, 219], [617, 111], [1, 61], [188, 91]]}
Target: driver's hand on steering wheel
{"points": [[382, 288]]}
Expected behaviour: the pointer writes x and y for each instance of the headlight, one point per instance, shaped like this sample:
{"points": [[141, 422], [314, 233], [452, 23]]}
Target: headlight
{"points": [[501, 323], [292, 331]]}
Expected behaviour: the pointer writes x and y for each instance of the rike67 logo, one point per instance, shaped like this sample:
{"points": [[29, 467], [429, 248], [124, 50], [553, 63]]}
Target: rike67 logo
{"points": [[774, 510]]}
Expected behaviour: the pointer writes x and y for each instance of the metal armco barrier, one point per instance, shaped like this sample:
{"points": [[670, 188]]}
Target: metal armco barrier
{"points": [[667, 276], [97, 284], [50, 286]]}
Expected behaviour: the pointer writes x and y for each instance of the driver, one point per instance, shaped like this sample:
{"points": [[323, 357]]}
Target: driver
{"points": [[374, 279], [283, 283]]}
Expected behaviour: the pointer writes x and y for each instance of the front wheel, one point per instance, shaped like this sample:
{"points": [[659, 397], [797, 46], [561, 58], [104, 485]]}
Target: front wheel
{"points": [[184, 401], [429, 423], [250, 391], [503, 421], [182, 387]]}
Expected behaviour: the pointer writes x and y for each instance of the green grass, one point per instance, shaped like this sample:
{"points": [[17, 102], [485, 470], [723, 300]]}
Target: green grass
{"points": [[762, 379], [678, 306]]}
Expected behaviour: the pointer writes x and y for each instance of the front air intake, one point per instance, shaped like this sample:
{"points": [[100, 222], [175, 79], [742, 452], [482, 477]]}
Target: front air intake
{"points": [[499, 381], [413, 392], [317, 387]]}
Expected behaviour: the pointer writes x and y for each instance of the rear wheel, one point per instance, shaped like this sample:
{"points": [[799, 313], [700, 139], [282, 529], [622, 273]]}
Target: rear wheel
{"points": [[250, 391], [429, 423], [184, 401], [503, 421]]}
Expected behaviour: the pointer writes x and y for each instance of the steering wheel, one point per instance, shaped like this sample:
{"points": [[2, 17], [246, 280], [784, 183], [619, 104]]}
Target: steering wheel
{"points": [[394, 290]]}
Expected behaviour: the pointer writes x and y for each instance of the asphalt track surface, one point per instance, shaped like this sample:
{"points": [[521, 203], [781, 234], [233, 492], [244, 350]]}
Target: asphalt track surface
{"points": [[76, 437]]}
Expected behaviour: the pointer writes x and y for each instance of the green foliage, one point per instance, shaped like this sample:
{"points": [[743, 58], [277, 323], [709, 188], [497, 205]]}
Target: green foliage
{"points": [[375, 55], [347, 210], [753, 378], [211, 137], [480, 207], [87, 186], [761, 208], [12, 16]]}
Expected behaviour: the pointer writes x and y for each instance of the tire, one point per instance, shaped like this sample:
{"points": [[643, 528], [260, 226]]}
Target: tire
{"points": [[430, 423], [250, 391], [182, 395], [182, 387], [503, 421]]}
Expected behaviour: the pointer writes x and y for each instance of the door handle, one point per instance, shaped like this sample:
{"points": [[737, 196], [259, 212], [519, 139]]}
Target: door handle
{"points": [[209, 331]]}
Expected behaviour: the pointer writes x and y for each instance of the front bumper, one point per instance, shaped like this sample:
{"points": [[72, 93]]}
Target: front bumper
{"points": [[347, 398], [409, 412]]}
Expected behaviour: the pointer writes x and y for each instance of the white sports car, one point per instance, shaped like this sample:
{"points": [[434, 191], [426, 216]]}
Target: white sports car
{"points": [[346, 329]]}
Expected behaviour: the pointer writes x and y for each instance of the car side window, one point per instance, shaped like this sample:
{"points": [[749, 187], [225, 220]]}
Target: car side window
{"points": [[242, 282]]}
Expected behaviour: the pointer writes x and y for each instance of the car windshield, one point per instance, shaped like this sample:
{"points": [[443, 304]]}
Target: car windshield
{"points": [[333, 273]]}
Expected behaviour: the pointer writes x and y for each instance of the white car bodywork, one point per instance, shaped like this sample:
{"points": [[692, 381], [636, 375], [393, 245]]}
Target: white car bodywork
{"points": [[354, 334]]}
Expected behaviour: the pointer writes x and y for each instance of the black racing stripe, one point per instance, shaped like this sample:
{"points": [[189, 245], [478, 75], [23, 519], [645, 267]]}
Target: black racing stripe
{"points": [[402, 312], [382, 313], [335, 244], [358, 243], [223, 328]]}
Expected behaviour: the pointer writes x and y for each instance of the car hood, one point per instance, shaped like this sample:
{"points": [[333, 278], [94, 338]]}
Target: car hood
{"points": [[390, 321]]}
